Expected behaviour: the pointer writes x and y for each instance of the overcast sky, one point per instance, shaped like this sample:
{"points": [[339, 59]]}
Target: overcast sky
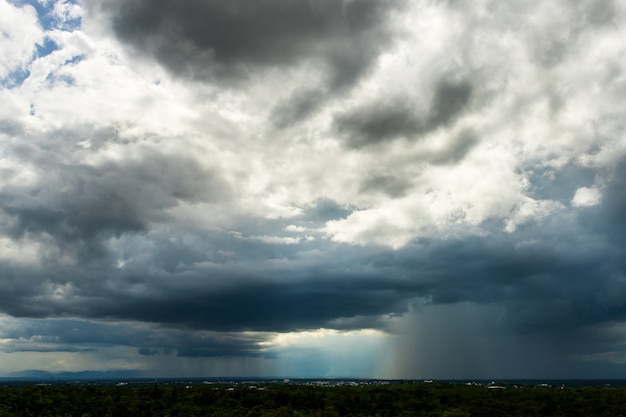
{"points": [[377, 188]]}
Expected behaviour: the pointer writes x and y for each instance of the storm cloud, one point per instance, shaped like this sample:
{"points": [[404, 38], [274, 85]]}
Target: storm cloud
{"points": [[305, 188], [398, 118], [212, 39]]}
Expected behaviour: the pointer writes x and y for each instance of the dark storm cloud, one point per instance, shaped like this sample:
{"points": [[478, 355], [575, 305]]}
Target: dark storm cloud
{"points": [[118, 235], [323, 210], [264, 307], [73, 332], [215, 39], [202, 344], [540, 286], [301, 104], [67, 335], [450, 99], [226, 301], [570, 276], [166, 284], [378, 123], [230, 42], [390, 185], [387, 120], [562, 275], [199, 288], [77, 205], [188, 344]]}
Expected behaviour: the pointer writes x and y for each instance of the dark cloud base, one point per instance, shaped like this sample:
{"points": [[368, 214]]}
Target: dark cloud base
{"points": [[212, 39], [226, 43], [573, 272], [388, 120], [559, 275], [112, 199]]}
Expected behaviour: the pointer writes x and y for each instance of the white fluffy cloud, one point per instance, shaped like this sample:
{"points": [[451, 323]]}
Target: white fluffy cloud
{"points": [[19, 37], [586, 197], [531, 89]]}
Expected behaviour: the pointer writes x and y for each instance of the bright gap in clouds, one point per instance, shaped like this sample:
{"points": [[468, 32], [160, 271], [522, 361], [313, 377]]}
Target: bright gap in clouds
{"points": [[335, 188]]}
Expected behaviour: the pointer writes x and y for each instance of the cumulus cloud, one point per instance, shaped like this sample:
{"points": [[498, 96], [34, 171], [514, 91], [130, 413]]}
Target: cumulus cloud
{"points": [[586, 197], [20, 36]]}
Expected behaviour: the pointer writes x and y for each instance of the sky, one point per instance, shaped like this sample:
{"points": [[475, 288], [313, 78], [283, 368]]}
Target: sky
{"points": [[328, 188]]}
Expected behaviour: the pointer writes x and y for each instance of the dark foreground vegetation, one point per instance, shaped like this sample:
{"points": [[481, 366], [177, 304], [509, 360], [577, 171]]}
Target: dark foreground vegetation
{"points": [[274, 399]]}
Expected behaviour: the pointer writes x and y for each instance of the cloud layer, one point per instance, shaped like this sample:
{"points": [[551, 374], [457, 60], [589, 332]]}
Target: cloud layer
{"points": [[245, 188]]}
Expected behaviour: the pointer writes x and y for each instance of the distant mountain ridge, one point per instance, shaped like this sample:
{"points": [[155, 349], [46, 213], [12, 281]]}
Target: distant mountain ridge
{"points": [[35, 374]]}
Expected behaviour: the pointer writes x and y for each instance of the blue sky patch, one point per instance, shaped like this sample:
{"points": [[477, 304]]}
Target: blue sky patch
{"points": [[45, 49], [47, 18], [15, 78], [55, 79], [74, 60]]}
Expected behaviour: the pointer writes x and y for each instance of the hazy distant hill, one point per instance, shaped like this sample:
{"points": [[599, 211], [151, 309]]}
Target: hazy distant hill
{"points": [[39, 375]]}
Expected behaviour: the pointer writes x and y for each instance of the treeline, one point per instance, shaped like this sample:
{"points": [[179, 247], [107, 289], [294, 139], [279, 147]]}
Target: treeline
{"points": [[292, 400]]}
